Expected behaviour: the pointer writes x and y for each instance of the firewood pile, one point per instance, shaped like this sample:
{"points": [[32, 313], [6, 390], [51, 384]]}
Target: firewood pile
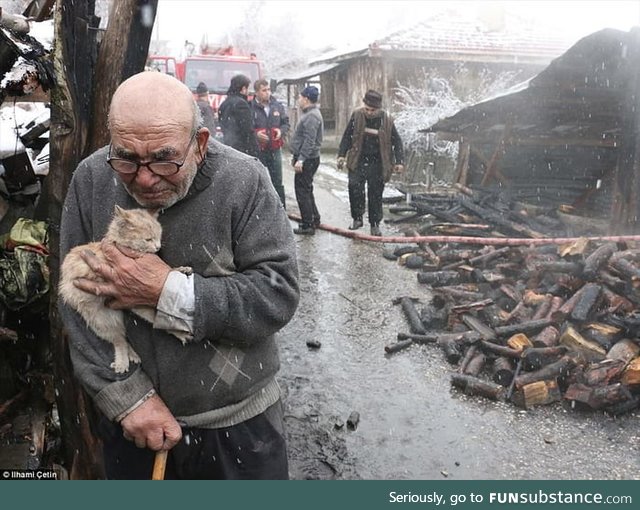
{"points": [[530, 324]]}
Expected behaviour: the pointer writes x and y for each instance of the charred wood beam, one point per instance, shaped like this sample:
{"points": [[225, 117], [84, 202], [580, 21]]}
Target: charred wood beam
{"points": [[481, 259], [535, 358], [477, 305], [557, 266], [476, 324], [500, 350], [410, 312], [559, 368], [586, 303], [503, 371], [497, 219], [423, 209], [567, 308], [601, 397], [439, 278], [548, 337], [468, 356], [457, 292], [474, 386], [625, 268], [598, 258], [475, 364], [538, 393]]}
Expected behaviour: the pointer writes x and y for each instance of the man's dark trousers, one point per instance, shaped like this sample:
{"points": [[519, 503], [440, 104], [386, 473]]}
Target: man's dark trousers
{"points": [[369, 172], [273, 161], [251, 450], [303, 183]]}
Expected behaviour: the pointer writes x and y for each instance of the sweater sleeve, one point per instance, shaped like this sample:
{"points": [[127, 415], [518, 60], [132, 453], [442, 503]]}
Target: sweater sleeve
{"points": [[92, 356], [396, 144], [261, 295], [347, 138]]}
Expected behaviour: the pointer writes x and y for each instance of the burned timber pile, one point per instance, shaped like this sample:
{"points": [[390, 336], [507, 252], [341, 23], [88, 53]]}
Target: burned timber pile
{"points": [[530, 324]]}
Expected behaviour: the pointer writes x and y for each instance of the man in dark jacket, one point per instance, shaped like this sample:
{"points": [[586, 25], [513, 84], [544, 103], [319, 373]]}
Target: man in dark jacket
{"points": [[305, 146], [235, 117], [271, 124], [372, 149]]}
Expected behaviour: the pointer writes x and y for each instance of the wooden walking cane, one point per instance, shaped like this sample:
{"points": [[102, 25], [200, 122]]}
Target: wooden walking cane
{"points": [[159, 465]]}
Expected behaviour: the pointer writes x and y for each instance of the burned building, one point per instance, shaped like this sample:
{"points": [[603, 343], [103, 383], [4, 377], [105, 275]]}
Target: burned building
{"points": [[567, 138]]}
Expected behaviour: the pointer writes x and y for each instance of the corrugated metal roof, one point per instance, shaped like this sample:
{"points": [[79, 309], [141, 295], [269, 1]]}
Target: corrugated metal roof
{"points": [[309, 72]]}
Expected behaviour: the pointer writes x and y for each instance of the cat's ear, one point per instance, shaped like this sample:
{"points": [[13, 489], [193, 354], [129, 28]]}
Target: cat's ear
{"points": [[119, 211], [155, 213]]}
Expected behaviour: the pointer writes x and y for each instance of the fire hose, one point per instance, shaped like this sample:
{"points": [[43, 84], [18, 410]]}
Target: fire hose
{"points": [[496, 241]]}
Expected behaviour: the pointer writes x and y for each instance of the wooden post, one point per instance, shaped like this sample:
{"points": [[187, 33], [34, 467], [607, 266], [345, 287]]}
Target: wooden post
{"points": [[625, 203], [75, 27], [123, 53], [74, 58]]}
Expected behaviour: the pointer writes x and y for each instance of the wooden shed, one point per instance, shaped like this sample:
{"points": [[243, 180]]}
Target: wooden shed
{"points": [[462, 50], [567, 137]]}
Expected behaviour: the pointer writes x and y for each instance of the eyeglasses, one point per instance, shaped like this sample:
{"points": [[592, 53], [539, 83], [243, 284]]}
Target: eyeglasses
{"points": [[161, 168]]}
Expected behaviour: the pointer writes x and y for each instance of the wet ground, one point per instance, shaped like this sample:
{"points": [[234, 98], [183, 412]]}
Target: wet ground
{"points": [[411, 424]]}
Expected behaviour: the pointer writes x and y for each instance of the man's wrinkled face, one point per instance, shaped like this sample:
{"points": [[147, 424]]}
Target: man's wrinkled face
{"points": [[149, 189]]}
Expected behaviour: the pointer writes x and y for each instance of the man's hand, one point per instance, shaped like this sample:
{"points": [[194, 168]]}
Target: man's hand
{"points": [[277, 134], [398, 169], [152, 426], [128, 281], [298, 167], [262, 135], [341, 162]]}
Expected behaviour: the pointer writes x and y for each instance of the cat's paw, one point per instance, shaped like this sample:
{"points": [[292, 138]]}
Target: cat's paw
{"points": [[133, 355], [120, 366], [183, 336], [185, 270]]}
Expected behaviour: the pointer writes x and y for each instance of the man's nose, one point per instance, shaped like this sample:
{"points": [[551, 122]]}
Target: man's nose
{"points": [[145, 177]]}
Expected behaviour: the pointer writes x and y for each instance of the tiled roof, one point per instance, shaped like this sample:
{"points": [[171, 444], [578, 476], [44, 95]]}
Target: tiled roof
{"points": [[452, 34]]}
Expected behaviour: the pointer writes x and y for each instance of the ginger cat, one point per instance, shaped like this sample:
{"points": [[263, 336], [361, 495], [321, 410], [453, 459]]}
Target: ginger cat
{"points": [[137, 229]]}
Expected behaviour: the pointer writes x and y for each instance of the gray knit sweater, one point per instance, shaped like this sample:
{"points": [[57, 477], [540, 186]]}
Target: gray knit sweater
{"points": [[233, 231]]}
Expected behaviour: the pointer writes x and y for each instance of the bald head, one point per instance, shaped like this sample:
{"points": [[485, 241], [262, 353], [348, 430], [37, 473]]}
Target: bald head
{"points": [[152, 100]]}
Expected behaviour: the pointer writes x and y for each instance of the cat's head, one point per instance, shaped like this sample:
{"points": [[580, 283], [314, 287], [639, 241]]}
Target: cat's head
{"points": [[138, 229]]}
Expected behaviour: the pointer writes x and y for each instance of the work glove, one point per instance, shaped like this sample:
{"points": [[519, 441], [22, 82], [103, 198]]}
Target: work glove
{"points": [[341, 162]]}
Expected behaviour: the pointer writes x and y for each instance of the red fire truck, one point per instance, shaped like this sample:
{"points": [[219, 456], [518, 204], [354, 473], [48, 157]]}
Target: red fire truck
{"points": [[214, 67]]}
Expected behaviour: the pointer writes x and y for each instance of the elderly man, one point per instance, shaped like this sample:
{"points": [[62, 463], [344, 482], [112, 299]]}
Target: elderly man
{"points": [[372, 149], [213, 402]]}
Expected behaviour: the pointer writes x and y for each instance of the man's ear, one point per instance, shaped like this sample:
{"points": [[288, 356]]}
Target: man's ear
{"points": [[203, 139]]}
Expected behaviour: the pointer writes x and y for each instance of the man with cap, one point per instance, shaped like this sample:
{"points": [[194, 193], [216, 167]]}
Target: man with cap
{"points": [[305, 147], [372, 149], [208, 115]]}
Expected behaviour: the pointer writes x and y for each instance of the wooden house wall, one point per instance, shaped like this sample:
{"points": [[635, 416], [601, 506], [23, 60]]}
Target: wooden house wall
{"points": [[346, 85]]}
